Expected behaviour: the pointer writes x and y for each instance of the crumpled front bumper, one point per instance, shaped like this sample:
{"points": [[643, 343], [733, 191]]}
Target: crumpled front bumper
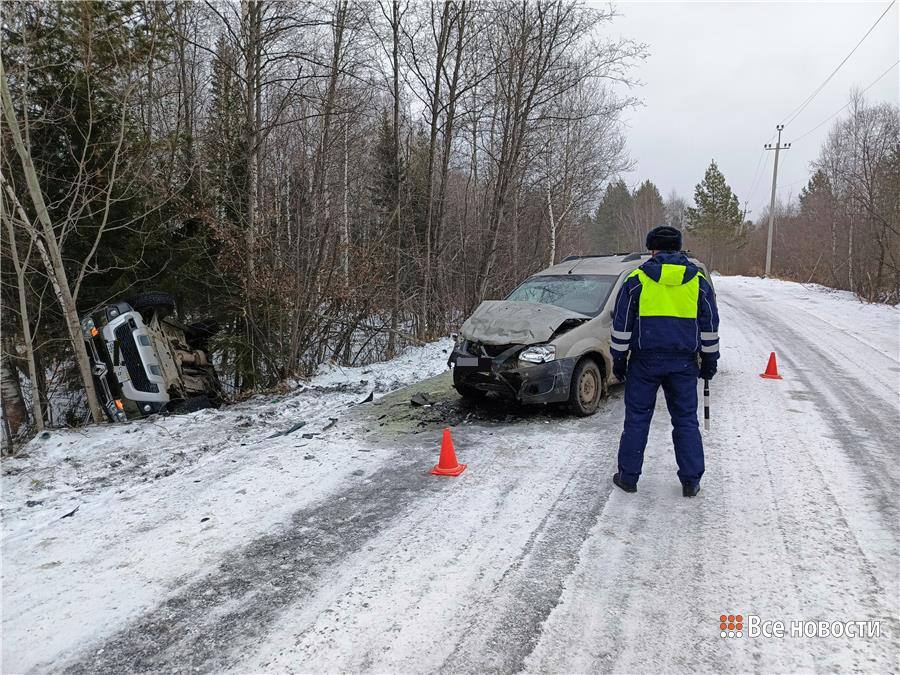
{"points": [[505, 375]]}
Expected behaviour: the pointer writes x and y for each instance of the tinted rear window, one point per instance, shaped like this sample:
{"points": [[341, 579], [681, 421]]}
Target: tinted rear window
{"points": [[582, 293]]}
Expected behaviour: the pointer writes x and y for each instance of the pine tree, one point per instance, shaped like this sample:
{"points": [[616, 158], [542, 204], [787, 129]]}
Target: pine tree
{"points": [[717, 210], [716, 220], [610, 226]]}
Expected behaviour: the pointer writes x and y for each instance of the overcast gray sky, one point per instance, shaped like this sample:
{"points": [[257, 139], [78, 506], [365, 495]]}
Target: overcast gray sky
{"points": [[721, 75]]}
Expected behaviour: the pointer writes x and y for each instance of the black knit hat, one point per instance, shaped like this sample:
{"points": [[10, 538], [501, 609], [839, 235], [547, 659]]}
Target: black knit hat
{"points": [[664, 238]]}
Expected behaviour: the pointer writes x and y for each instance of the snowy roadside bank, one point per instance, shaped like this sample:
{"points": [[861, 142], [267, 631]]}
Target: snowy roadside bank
{"points": [[157, 502], [57, 472]]}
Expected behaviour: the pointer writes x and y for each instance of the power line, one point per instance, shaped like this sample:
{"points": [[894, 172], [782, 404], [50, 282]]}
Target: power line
{"points": [[793, 114], [843, 107], [757, 174]]}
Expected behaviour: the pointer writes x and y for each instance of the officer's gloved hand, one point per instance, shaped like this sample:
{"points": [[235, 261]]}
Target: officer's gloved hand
{"points": [[620, 366], [707, 368]]}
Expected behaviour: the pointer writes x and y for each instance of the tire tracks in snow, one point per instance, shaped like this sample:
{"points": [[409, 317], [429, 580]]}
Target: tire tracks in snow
{"points": [[862, 407], [499, 642], [212, 623], [845, 563], [205, 625]]}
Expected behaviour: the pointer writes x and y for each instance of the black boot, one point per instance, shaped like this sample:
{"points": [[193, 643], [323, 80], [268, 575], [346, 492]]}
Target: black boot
{"points": [[627, 487], [690, 490]]}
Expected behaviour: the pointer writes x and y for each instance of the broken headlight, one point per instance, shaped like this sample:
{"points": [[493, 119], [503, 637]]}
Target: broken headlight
{"points": [[88, 328], [538, 354]]}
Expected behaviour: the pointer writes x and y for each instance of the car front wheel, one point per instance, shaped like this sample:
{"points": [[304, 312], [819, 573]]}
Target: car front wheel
{"points": [[467, 391], [586, 388]]}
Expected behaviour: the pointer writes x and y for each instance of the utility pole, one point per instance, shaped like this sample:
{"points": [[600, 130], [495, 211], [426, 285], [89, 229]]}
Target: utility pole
{"points": [[777, 147]]}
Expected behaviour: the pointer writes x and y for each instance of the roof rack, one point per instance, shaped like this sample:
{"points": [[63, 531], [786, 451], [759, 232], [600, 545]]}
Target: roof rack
{"points": [[631, 255]]}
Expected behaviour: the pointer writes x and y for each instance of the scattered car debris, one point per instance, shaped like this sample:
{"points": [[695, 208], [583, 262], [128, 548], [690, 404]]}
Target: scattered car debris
{"points": [[292, 429], [331, 423], [422, 399], [72, 512]]}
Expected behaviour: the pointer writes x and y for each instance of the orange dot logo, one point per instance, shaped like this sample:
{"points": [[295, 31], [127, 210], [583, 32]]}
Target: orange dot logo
{"points": [[731, 625]]}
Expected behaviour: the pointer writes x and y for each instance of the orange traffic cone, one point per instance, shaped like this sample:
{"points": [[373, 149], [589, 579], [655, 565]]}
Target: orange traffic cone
{"points": [[771, 369], [447, 465]]}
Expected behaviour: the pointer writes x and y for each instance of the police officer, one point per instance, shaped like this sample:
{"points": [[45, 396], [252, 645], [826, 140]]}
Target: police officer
{"points": [[665, 315]]}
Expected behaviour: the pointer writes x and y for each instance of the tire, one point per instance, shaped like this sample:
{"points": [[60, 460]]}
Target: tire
{"points": [[466, 391], [163, 303], [586, 388], [192, 404]]}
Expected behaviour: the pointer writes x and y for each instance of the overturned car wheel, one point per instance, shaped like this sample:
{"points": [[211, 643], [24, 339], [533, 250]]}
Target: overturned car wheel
{"points": [[586, 388], [161, 302]]}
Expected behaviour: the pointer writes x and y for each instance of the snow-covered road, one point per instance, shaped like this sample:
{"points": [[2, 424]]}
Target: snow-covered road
{"points": [[339, 552]]}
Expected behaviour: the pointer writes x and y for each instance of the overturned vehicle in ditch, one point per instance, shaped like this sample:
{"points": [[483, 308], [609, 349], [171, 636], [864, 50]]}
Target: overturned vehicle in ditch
{"points": [[549, 340], [146, 362]]}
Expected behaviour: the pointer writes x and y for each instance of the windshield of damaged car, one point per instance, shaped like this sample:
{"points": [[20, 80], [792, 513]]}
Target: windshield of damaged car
{"points": [[582, 293]]}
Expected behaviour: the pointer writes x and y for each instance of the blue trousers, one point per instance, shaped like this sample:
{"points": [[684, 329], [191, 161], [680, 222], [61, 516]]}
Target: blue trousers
{"points": [[678, 376]]}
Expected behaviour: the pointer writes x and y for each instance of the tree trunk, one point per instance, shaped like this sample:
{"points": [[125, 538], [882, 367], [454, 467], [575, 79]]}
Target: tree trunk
{"points": [[395, 63], [552, 224], [345, 230], [14, 411], [37, 414], [442, 41], [70, 312]]}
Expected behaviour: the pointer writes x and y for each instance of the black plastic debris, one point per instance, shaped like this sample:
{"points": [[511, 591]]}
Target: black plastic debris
{"points": [[72, 512], [331, 423], [298, 425], [369, 398]]}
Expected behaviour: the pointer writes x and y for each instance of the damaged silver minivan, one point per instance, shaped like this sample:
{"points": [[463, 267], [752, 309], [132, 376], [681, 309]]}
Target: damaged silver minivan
{"points": [[548, 341]]}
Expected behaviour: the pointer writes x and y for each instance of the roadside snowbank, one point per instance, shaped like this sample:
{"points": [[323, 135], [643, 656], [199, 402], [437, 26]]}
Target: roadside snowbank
{"points": [[55, 471], [157, 502]]}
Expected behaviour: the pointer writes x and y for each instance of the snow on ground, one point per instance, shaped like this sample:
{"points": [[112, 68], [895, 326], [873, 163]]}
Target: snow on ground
{"points": [[249, 557], [162, 499], [57, 471]]}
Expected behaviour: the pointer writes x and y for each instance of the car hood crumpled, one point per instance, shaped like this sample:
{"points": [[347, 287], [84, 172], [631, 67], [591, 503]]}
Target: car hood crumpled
{"points": [[510, 322]]}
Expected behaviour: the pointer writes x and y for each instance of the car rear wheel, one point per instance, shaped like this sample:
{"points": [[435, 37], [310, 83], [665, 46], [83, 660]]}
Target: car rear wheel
{"points": [[586, 388]]}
